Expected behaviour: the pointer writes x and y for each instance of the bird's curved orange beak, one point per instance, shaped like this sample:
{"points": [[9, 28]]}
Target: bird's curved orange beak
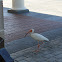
{"points": [[28, 32]]}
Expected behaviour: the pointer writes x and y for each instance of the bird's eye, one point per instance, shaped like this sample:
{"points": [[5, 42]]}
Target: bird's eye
{"points": [[30, 30]]}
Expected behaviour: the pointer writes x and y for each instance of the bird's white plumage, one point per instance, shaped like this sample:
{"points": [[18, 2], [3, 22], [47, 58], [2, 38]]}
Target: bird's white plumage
{"points": [[39, 37]]}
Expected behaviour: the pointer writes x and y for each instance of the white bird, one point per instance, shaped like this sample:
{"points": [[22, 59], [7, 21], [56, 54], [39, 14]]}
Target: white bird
{"points": [[37, 36]]}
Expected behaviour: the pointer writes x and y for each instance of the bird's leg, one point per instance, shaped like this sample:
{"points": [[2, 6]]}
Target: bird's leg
{"points": [[38, 47]]}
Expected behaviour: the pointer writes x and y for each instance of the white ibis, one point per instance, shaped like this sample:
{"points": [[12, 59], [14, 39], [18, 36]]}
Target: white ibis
{"points": [[37, 37]]}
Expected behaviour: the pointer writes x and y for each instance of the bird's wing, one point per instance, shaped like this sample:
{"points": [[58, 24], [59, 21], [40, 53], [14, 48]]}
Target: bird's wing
{"points": [[38, 37]]}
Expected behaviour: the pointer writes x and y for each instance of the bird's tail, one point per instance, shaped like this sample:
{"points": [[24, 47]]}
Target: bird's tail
{"points": [[46, 39]]}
